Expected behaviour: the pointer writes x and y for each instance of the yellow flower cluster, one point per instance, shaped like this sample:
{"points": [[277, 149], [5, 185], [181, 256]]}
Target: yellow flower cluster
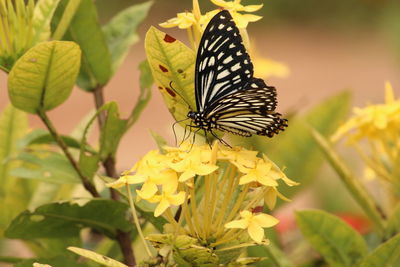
{"points": [[379, 125], [186, 20], [210, 187], [373, 121], [194, 22]]}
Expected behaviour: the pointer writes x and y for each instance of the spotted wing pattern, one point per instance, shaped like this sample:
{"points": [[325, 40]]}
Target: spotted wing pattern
{"points": [[222, 64]]}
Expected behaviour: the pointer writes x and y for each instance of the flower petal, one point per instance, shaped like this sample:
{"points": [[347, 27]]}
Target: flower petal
{"points": [[255, 232], [242, 224], [252, 8], [161, 207], [265, 220]]}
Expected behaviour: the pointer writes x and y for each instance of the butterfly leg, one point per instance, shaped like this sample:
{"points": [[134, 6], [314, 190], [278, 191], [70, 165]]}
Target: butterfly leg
{"points": [[221, 140]]}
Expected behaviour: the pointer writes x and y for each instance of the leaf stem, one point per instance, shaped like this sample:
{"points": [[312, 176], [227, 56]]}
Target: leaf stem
{"points": [[85, 181]]}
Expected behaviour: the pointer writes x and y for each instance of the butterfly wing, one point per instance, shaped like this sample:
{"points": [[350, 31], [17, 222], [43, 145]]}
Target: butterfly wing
{"points": [[222, 64], [249, 111]]}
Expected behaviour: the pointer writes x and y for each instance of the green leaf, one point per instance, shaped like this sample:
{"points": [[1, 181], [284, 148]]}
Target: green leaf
{"points": [[63, 17], [46, 138], [121, 31], [86, 31], [89, 164], [393, 224], [112, 131], [146, 81], [44, 76], [297, 139], [59, 261], [384, 255], [335, 240], [42, 14], [275, 256], [49, 167], [172, 65], [103, 260], [14, 194], [13, 126], [160, 141], [106, 216]]}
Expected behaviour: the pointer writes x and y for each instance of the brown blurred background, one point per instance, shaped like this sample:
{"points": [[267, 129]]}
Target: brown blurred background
{"points": [[329, 46]]}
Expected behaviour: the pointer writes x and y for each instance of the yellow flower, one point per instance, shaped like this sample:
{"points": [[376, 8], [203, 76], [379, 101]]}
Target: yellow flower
{"points": [[239, 156], [182, 20], [241, 20], [260, 173], [166, 199], [192, 165], [265, 67], [373, 121], [254, 224]]}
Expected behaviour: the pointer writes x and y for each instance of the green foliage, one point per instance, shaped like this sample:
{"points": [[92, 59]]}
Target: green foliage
{"points": [[42, 14], [103, 260], [106, 216], [44, 76], [121, 34], [13, 192], [393, 224], [386, 253], [275, 256], [296, 142], [45, 166], [59, 261], [172, 65], [85, 30], [112, 131], [336, 241]]}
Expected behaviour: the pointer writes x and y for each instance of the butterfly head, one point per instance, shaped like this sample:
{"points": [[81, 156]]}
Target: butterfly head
{"points": [[200, 120]]}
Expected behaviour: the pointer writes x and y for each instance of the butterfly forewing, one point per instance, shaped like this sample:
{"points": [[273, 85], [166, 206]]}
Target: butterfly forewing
{"points": [[222, 65]]}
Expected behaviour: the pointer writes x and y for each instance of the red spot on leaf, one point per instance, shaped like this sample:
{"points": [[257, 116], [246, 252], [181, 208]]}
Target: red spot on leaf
{"points": [[170, 91], [160, 88], [169, 38], [162, 68]]}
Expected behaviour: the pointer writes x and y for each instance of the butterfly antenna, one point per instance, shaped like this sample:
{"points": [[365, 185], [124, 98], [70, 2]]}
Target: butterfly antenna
{"points": [[173, 128], [187, 103]]}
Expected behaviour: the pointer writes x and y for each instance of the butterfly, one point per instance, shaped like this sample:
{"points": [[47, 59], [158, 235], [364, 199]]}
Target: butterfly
{"points": [[228, 97]]}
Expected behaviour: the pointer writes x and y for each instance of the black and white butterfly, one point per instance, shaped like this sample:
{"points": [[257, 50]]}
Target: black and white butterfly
{"points": [[228, 97]]}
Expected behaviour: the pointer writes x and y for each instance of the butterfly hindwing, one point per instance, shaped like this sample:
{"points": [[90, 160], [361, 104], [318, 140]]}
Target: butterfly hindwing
{"points": [[222, 64], [249, 111]]}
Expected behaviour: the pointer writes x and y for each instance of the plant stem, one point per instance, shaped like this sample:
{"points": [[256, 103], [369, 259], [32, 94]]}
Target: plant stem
{"points": [[85, 181], [123, 238], [136, 220], [357, 191]]}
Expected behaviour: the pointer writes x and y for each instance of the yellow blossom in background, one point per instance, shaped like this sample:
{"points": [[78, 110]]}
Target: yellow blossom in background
{"points": [[373, 121], [182, 20], [234, 7], [379, 125], [254, 224]]}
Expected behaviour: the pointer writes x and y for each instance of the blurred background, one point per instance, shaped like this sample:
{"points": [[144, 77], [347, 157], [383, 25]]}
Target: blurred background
{"points": [[329, 46]]}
